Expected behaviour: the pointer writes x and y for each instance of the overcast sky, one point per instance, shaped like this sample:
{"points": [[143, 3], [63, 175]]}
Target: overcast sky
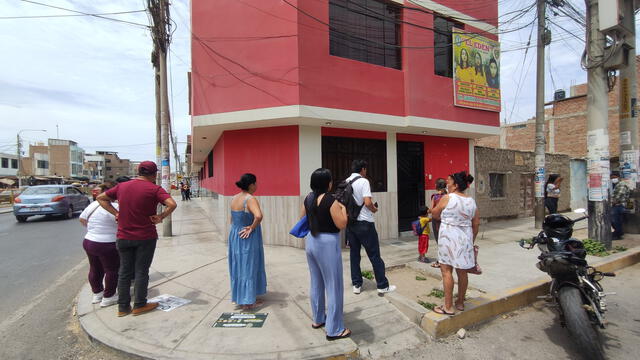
{"points": [[93, 77]]}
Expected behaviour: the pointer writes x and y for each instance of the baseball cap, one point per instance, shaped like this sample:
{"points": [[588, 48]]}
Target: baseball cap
{"points": [[147, 168]]}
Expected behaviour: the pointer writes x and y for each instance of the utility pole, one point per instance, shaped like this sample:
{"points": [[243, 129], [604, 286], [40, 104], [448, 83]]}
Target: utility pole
{"points": [[628, 102], [598, 167], [161, 34], [18, 173], [156, 65], [540, 173]]}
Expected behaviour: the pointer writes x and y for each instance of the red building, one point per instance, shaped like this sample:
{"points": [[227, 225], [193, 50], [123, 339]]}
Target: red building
{"points": [[282, 87]]}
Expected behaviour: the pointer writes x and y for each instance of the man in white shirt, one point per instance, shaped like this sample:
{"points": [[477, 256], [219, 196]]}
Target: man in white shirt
{"points": [[362, 233]]}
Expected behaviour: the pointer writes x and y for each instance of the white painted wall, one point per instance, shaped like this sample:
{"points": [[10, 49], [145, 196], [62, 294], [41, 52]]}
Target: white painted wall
{"points": [[310, 154]]}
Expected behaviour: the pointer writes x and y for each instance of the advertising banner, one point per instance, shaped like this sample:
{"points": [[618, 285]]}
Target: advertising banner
{"points": [[476, 71]]}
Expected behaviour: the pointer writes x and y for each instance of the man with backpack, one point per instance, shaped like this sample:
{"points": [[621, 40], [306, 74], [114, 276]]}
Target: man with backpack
{"points": [[355, 194]]}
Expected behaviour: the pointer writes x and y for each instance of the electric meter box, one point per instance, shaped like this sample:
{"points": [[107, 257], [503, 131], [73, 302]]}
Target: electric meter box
{"points": [[611, 16]]}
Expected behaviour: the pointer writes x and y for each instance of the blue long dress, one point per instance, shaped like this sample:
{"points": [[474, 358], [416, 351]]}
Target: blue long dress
{"points": [[246, 259]]}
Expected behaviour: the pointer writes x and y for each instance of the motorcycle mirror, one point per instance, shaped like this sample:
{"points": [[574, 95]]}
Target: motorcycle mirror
{"points": [[522, 244], [580, 211]]}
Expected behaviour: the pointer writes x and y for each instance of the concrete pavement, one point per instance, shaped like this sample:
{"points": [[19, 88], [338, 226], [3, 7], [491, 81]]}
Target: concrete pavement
{"points": [[192, 264]]}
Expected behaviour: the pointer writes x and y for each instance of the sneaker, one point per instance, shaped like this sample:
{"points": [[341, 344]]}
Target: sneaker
{"points": [[97, 298], [108, 301], [388, 289], [144, 309], [357, 289]]}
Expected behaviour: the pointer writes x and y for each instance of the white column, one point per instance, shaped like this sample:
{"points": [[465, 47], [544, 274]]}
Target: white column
{"points": [[392, 162], [309, 154]]}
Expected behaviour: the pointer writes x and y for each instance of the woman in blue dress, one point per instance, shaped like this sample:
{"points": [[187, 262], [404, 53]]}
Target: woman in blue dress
{"points": [[246, 254]]}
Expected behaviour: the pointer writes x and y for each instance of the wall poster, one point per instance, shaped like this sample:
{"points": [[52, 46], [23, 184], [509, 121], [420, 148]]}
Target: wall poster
{"points": [[476, 71]]}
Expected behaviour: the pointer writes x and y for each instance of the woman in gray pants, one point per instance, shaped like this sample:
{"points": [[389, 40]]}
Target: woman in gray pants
{"points": [[326, 218]]}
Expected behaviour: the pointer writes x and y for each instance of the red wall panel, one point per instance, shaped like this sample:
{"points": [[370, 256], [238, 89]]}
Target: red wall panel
{"points": [[243, 55], [269, 153]]}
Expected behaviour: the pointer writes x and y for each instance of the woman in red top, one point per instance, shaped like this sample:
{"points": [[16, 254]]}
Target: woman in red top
{"points": [[441, 190]]}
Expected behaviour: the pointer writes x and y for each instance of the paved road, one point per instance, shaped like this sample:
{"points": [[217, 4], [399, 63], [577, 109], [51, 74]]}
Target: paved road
{"points": [[42, 268], [534, 332], [34, 255]]}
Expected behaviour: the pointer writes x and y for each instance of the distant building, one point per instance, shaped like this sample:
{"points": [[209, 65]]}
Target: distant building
{"points": [[8, 164], [133, 168], [94, 167], [114, 166], [63, 158]]}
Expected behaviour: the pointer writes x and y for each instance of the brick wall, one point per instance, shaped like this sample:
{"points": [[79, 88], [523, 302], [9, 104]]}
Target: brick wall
{"points": [[515, 165]]}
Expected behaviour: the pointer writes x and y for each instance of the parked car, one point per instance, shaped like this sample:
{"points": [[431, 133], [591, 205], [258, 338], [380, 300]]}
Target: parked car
{"points": [[62, 200], [7, 195]]}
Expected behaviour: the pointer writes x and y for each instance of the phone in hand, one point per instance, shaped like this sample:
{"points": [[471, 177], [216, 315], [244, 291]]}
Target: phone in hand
{"points": [[375, 204]]}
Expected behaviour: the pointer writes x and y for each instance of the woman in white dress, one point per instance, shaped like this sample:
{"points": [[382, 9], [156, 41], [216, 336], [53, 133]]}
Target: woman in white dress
{"points": [[459, 218]]}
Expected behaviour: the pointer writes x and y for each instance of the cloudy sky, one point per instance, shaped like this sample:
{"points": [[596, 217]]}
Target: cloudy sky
{"points": [[93, 77]]}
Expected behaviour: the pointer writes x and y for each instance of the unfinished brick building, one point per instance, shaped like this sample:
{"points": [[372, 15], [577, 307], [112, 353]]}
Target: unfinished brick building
{"points": [[565, 127]]}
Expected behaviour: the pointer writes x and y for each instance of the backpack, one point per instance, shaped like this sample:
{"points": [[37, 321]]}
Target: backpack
{"points": [[344, 194], [417, 228]]}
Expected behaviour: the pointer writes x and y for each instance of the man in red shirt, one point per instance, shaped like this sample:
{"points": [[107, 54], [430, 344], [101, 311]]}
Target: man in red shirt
{"points": [[136, 238]]}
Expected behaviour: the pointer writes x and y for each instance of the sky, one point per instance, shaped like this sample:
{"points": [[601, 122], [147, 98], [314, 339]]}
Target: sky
{"points": [[93, 79]]}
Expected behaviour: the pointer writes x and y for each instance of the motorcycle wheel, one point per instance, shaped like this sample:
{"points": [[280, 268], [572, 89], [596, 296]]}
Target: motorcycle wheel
{"points": [[578, 323]]}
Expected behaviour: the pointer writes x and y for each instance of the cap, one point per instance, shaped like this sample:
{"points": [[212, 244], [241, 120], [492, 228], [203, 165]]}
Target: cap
{"points": [[147, 168]]}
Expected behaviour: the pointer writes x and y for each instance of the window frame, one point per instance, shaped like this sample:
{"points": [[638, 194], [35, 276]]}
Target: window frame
{"points": [[14, 163], [359, 44], [449, 49], [502, 190], [4, 161]]}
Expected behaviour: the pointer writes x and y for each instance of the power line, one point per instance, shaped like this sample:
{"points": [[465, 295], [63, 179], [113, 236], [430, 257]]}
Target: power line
{"points": [[87, 14], [69, 15]]}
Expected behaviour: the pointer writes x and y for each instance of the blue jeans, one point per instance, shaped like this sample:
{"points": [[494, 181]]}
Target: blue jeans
{"points": [[617, 218], [364, 234]]}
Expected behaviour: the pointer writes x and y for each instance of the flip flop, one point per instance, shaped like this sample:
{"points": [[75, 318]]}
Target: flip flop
{"points": [[258, 303], [440, 310], [460, 307], [318, 326], [345, 334], [435, 265]]}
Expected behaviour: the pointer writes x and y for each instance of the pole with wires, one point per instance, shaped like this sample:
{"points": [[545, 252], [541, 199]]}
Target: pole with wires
{"points": [[540, 137], [161, 34], [597, 129]]}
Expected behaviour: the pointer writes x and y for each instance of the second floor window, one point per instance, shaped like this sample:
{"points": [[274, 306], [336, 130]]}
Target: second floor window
{"points": [[442, 47], [42, 164], [365, 30]]}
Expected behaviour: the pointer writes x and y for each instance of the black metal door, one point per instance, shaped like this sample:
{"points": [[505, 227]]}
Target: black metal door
{"points": [[410, 182]]}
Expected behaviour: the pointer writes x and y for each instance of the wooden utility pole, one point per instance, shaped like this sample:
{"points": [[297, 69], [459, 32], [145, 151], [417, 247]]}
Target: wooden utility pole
{"points": [[161, 34], [540, 173], [598, 167]]}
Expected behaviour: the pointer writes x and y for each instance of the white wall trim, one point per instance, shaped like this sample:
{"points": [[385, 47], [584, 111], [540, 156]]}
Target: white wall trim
{"points": [[392, 162], [459, 16], [207, 128], [309, 154]]}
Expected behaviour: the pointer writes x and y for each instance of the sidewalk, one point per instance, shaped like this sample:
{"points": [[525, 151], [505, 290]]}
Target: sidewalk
{"points": [[193, 265]]}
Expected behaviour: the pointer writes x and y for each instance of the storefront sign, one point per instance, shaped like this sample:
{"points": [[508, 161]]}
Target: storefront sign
{"points": [[240, 320], [476, 71]]}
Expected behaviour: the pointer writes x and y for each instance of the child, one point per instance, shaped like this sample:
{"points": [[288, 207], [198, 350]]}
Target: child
{"points": [[423, 233], [441, 191]]}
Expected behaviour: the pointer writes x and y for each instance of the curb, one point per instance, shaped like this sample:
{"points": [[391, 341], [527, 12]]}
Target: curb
{"points": [[490, 305]]}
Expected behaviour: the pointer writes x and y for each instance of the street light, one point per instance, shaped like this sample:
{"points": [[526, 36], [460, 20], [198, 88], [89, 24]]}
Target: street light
{"points": [[20, 155]]}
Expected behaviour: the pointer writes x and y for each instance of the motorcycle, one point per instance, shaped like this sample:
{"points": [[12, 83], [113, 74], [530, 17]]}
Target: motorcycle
{"points": [[575, 287]]}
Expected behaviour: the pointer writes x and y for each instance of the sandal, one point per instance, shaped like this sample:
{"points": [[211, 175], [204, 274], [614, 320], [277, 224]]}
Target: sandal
{"points": [[253, 306], [441, 310], [317, 326], [343, 335], [460, 307], [435, 265]]}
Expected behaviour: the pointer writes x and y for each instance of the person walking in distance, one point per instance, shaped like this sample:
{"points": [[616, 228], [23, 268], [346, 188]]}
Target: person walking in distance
{"points": [[137, 236], [362, 232], [441, 191]]}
